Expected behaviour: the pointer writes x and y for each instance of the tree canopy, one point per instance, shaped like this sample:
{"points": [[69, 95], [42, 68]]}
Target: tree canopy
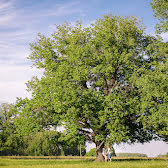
{"points": [[153, 89], [90, 79], [160, 7], [105, 83], [155, 81]]}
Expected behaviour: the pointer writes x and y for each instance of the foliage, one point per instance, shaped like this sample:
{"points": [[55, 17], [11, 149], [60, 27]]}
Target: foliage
{"points": [[167, 154], [10, 143], [160, 7], [87, 79], [23, 133], [152, 83], [31, 118], [43, 143], [92, 152], [155, 84], [14, 145], [7, 114], [74, 150]]}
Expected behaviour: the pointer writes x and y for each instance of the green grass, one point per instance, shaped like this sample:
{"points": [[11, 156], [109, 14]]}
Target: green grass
{"points": [[80, 163]]}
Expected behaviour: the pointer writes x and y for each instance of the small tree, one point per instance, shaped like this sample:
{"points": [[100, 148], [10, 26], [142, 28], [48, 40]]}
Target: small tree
{"points": [[92, 152], [10, 143], [167, 154], [44, 143]]}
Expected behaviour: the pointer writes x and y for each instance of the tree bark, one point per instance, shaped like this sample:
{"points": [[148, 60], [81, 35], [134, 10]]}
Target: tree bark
{"points": [[99, 155]]}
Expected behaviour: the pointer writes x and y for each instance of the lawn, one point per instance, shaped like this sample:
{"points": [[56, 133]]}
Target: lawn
{"points": [[80, 163]]}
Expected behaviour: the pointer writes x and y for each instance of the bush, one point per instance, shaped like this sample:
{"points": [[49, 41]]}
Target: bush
{"points": [[74, 150], [92, 152], [42, 144], [167, 154], [131, 155]]}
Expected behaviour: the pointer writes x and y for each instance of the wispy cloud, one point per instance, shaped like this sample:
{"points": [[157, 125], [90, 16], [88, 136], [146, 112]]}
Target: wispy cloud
{"points": [[4, 6], [7, 12], [22, 25], [13, 54], [14, 47], [17, 36], [18, 27], [13, 79], [64, 9], [6, 19]]}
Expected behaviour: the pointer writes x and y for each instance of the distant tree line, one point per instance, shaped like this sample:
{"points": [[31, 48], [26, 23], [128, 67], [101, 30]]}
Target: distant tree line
{"points": [[36, 142]]}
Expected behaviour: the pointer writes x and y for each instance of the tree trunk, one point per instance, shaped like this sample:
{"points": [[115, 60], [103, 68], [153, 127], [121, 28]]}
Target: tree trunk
{"points": [[99, 155]]}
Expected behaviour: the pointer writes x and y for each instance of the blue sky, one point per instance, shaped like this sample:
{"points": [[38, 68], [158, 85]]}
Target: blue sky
{"points": [[22, 20]]}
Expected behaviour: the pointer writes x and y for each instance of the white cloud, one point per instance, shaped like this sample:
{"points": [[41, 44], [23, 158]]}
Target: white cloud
{"points": [[13, 79], [63, 9], [15, 54], [7, 13], [164, 36], [6, 19], [17, 34], [11, 90], [151, 32], [6, 5], [14, 46]]}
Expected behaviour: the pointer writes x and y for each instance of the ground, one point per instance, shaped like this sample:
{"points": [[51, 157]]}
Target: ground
{"points": [[76, 162]]}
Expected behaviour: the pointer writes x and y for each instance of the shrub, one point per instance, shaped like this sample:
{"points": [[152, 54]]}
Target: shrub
{"points": [[92, 152], [42, 143], [167, 154], [74, 150]]}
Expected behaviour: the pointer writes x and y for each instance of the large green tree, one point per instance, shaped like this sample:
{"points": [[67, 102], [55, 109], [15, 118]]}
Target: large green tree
{"points": [[87, 80]]}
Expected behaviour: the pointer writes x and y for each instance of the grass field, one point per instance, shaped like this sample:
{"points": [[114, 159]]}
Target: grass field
{"points": [[76, 162]]}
